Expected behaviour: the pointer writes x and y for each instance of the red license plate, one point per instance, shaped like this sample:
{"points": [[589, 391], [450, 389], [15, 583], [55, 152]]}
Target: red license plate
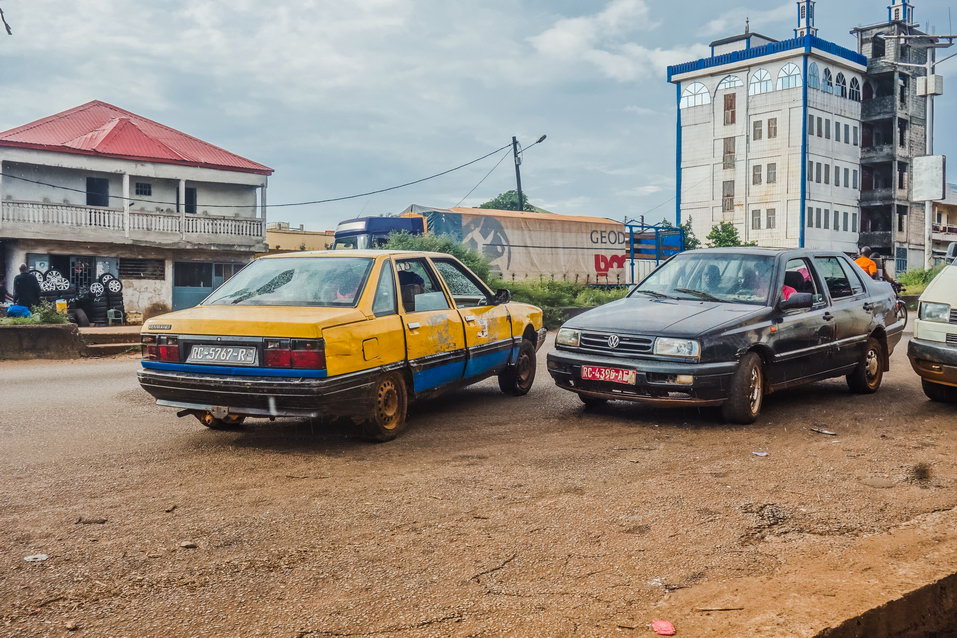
{"points": [[610, 375]]}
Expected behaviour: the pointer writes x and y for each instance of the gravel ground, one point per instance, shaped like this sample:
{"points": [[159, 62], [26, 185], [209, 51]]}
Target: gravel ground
{"points": [[492, 515]]}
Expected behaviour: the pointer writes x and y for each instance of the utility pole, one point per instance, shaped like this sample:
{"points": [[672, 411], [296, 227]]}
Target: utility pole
{"points": [[518, 172]]}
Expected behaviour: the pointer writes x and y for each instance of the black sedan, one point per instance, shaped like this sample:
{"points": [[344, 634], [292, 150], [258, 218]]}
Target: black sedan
{"points": [[728, 326]]}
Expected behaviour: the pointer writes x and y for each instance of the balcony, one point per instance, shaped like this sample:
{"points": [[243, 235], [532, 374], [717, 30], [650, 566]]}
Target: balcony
{"points": [[33, 220], [876, 239], [878, 196], [944, 233], [878, 154], [879, 108]]}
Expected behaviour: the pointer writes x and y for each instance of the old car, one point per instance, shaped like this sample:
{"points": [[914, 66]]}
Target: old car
{"points": [[726, 327], [355, 335], [933, 350]]}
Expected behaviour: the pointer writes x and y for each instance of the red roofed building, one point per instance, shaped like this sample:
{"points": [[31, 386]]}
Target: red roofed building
{"points": [[97, 189]]}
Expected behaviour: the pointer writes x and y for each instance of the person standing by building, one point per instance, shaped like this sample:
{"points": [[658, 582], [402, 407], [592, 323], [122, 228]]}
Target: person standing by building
{"points": [[26, 289], [867, 264]]}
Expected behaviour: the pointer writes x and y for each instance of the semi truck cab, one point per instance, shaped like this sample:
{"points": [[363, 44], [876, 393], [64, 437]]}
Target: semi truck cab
{"points": [[364, 233]]}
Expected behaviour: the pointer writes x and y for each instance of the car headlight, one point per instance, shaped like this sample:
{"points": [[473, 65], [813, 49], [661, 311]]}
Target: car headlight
{"points": [[685, 348], [568, 337], [939, 312]]}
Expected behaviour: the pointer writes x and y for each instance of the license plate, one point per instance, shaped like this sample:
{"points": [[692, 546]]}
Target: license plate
{"points": [[233, 355], [610, 375]]}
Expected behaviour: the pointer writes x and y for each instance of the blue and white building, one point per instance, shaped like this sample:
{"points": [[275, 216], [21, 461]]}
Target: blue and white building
{"points": [[769, 138]]}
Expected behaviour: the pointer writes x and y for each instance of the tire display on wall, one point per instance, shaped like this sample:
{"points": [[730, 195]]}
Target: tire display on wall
{"points": [[37, 274], [97, 289], [105, 277], [114, 285]]}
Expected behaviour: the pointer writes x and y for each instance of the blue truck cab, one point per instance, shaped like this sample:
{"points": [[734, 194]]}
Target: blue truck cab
{"points": [[365, 233]]}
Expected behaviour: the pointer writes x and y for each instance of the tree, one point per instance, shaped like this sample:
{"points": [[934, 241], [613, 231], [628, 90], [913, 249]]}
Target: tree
{"points": [[509, 201], [725, 235], [691, 242]]}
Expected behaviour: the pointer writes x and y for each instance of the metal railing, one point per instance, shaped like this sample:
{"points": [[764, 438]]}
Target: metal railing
{"points": [[949, 230]]}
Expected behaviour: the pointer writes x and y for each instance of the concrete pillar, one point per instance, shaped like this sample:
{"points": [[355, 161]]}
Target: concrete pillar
{"points": [[262, 204], [126, 204], [181, 207]]}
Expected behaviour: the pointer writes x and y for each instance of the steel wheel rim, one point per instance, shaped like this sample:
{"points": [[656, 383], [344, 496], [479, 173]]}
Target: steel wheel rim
{"points": [[524, 368], [755, 391], [387, 404], [872, 365]]}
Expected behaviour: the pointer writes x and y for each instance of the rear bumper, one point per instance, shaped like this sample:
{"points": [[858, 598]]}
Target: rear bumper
{"points": [[346, 395], [655, 384], [933, 361]]}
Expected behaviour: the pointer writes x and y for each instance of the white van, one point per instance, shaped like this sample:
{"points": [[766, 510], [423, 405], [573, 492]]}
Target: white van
{"points": [[933, 350]]}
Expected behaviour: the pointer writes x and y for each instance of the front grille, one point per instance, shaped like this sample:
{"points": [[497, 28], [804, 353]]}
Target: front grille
{"points": [[627, 344], [953, 316], [952, 339]]}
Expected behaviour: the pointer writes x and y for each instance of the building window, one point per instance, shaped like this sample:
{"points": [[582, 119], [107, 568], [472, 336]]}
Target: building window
{"points": [[144, 188], [853, 222], [837, 131], [856, 136], [837, 175], [756, 220], [902, 176], [790, 77], [901, 222], [846, 222], [730, 82], [840, 85], [813, 76], [827, 218], [729, 152], [837, 221], [758, 130], [817, 223], [855, 174], [828, 81], [772, 128], [142, 269], [727, 196], [820, 127], [772, 177], [847, 133], [902, 133], [817, 172], [847, 178], [97, 191], [772, 219], [827, 129], [855, 93], [810, 218], [900, 261], [897, 14], [878, 46], [730, 108], [827, 173], [191, 200], [756, 175], [810, 171], [696, 94], [810, 125], [760, 83], [904, 83]]}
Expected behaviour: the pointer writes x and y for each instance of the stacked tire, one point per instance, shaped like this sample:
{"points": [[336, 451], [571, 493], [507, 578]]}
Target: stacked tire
{"points": [[98, 304], [113, 292]]}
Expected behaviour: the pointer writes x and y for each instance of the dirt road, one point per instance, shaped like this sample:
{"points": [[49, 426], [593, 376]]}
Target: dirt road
{"points": [[492, 515]]}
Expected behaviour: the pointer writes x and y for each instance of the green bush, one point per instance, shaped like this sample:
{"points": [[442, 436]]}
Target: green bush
{"points": [[46, 313], [441, 244], [919, 277]]}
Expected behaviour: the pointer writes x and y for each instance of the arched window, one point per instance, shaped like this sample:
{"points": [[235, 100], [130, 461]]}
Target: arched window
{"points": [[730, 82], [696, 94], [841, 85], [868, 91], [760, 83], [855, 93], [789, 77], [828, 81], [813, 76]]}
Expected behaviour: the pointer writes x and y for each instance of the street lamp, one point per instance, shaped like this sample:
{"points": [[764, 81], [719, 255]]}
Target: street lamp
{"points": [[518, 162], [932, 89]]}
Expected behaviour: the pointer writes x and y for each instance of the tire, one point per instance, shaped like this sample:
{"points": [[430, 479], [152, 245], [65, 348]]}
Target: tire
{"points": [[105, 277], [747, 393], [938, 392], [518, 379], [82, 320], [114, 286], [592, 402], [390, 405], [37, 275], [869, 373], [902, 311], [97, 289]]}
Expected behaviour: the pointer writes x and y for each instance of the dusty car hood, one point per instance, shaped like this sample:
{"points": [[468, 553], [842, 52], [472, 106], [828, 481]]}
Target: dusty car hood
{"points": [[665, 317], [252, 321]]}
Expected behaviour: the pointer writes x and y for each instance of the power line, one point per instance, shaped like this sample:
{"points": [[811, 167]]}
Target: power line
{"points": [[309, 203], [483, 179]]}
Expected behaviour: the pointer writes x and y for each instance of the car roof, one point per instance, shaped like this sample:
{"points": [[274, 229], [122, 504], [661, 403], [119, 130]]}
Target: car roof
{"points": [[767, 252], [356, 253]]}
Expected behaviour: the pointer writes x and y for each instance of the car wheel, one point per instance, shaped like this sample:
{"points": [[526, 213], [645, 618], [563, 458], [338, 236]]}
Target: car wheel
{"points": [[869, 373], [746, 397], [592, 402], [938, 392], [390, 404], [517, 379]]}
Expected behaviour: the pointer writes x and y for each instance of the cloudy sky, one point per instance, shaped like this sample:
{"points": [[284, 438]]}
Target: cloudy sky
{"points": [[346, 96]]}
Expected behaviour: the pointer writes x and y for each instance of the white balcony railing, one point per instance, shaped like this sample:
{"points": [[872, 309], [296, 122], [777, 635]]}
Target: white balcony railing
{"points": [[136, 224]]}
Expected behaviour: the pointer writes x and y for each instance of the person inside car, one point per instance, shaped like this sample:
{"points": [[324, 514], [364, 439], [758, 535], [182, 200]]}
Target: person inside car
{"points": [[867, 264], [410, 284]]}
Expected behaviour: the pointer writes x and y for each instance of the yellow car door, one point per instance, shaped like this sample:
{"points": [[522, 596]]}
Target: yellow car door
{"points": [[434, 333], [488, 329]]}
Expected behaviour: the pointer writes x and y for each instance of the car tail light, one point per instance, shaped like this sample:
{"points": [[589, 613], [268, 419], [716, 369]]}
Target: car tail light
{"points": [[161, 348], [294, 353]]}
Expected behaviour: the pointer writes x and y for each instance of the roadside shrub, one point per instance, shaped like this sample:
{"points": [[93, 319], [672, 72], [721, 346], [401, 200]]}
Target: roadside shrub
{"points": [[46, 313], [17, 321], [919, 277], [442, 244]]}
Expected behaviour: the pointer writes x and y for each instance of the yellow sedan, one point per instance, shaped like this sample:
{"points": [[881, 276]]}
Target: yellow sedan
{"points": [[357, 335]]}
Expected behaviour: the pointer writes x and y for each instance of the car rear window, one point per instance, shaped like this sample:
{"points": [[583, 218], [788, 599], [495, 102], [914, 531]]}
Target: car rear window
{"points": [[295, 281]]}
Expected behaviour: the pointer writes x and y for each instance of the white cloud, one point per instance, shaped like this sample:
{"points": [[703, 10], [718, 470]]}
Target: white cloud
{"points": [[731, 21]]}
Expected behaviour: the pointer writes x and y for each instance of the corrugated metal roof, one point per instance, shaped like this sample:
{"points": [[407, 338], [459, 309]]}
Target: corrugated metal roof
{"points": [[101, 129]]}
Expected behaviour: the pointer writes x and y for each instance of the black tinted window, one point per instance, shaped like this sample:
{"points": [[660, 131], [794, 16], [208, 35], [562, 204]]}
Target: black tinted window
{"points": [[836, 279]]}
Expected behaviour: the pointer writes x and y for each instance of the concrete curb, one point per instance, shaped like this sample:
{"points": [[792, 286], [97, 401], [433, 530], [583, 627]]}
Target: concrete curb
{"points": [[56, 341]]}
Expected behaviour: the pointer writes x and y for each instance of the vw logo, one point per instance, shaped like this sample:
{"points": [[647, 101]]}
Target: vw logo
{"points": [[613, 341]]}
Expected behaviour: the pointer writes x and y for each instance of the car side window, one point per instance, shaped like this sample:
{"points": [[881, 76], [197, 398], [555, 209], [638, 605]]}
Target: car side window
{"points": [[466, 292], [799, 277], [385, 301], [419, 287], [834, 276], [856, 285]]}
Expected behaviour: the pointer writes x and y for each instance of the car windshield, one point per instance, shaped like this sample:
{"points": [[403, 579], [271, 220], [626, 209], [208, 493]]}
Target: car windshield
{"points": [[722, 277], [298, 281]]}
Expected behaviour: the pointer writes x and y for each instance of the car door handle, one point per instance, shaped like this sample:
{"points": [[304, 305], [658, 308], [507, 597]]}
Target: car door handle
{"points": [[414, 325], [828, 316], [469, 318], [868, 306]]}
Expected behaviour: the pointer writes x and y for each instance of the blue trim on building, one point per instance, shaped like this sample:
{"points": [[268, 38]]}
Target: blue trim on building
{"points": [[804, 156], [237, 371], [678, 160], [807, 43]]}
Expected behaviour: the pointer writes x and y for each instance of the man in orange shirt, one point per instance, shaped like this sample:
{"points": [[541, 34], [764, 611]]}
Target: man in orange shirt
{"points": [[867, 264]]}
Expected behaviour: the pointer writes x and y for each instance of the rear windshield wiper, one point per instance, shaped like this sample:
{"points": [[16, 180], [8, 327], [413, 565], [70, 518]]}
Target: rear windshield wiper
{"points": [[698, 293], [656, 295]]}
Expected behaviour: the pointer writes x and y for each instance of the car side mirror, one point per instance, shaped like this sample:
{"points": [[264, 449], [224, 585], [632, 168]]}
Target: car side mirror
{"points": [[501, 296], [797, 301]]}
